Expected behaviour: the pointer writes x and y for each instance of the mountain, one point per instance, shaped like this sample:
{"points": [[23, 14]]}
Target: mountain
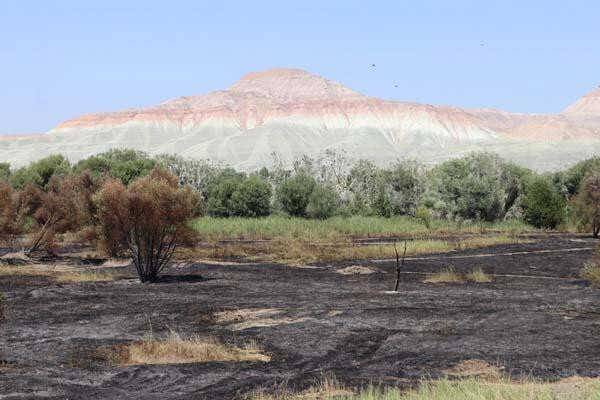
{"points": [[293, 113]]}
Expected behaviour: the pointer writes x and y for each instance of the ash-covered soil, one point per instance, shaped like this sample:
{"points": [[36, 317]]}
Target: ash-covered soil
{"points": [[537, 317]]}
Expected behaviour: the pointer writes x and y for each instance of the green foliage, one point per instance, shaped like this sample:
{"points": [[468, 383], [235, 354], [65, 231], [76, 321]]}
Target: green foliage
{"points": [[407, 181], [424, 215], [4, 171], [128, 171], [97, 165], [232, 194], [572, 177], [543, 206], [252, 198], [220, 197], [124, 165], [40, 172], [480, 186], [323, 202], [382, 205], [294, 193]]}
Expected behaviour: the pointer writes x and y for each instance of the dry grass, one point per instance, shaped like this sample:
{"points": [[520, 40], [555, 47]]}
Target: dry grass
{"points": [[449, 275], [340, 228], [298, 251], [327, 388], [86, 276], [471, 388], [591, 271], [177, 350], [477, 275], [58, 276]]}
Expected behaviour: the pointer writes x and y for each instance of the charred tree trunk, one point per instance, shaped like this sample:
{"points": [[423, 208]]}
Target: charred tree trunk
{"points": [[399, 265]]}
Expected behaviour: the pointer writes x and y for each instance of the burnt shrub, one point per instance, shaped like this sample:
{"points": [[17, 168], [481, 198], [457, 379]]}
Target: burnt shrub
{"points": [[150, 217], [57, 210], [586, 204], [112, 215], [11, 223]]}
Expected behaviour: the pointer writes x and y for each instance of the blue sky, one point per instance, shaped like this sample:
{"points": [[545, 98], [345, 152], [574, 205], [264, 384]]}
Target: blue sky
{"points": [[60, 59]]}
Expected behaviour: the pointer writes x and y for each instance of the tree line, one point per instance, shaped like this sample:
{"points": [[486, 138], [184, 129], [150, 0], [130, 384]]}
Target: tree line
{"points": [[478, 187], [130, 203]]}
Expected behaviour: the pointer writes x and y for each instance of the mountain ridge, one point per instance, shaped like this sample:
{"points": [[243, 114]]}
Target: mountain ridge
{"points": [[293, 112]]}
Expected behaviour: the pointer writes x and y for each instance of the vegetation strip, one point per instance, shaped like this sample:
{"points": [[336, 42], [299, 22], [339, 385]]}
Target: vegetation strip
{"points": [[516, 253]]}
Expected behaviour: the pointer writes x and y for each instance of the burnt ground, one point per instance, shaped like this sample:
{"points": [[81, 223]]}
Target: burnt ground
{"points": [[537, 318]]}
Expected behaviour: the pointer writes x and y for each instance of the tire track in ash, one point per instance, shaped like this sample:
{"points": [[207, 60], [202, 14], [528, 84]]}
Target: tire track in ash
{"points": [[487, 255], [515, 253]]}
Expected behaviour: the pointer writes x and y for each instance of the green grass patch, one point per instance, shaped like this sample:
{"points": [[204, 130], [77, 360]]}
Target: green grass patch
{"points": [[275, 227], [464, 389]]}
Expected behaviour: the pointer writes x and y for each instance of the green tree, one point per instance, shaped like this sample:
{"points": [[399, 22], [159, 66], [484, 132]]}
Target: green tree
{"points": [[572, 177], [40, 172], [480, 186], [4, 171], [382, 205], [220, 197], [294, 193], [407, 181], [543, 206], [323, 202], [252, 198]]}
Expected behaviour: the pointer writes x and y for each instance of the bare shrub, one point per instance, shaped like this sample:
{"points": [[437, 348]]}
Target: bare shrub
{"points": [[150, 219]]}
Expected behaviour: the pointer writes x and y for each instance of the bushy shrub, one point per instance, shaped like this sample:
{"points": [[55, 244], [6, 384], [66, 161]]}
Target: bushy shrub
{"points": [[574, 176], [10, 220], [543, 206], [323, 202], [382, 205], [220, 197], [480, 186], [5, 171], [54, 211], [39, 173], [294, 193], [125, 165], [252, 198], [112, 216], [364, 182], [424, 215], [586, 203], [152, 218], [407, 181]]}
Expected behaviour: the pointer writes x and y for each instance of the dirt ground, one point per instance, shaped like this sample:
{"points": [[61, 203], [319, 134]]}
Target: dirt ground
{"points": [[536, 318]]}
